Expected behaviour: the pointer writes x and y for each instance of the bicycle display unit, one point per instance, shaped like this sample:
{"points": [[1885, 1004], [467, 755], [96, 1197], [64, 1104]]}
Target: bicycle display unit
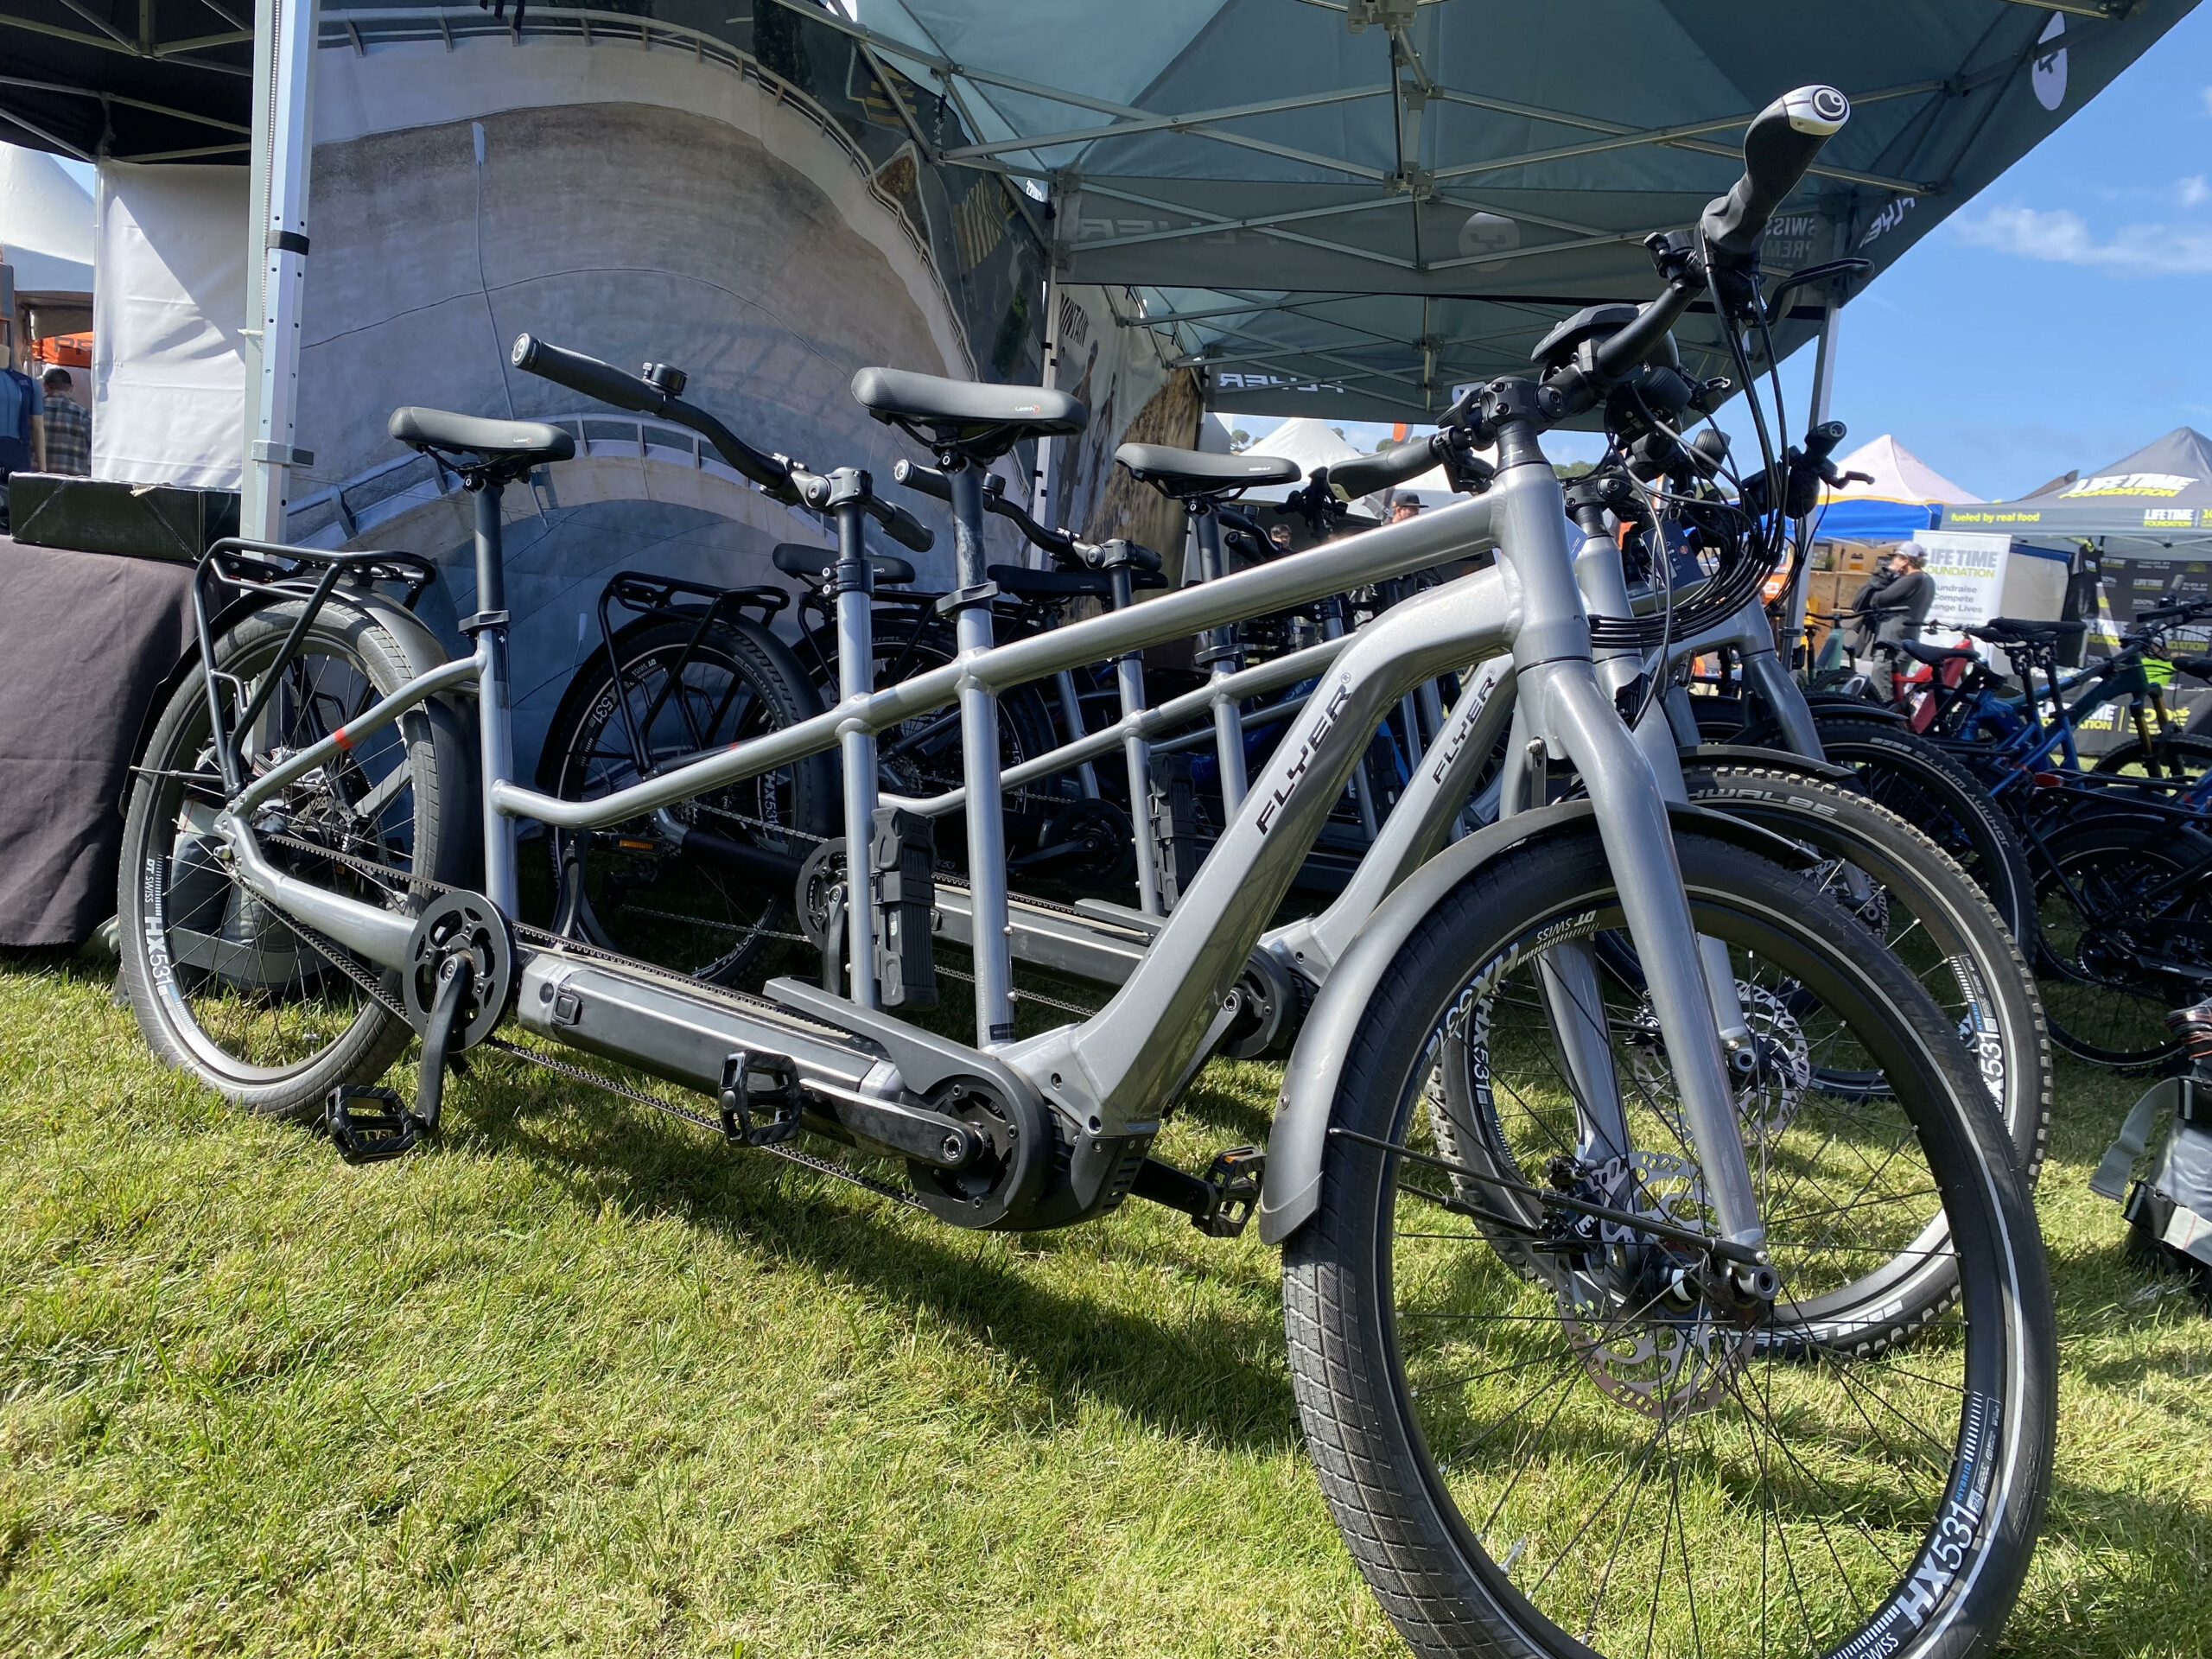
{"points": [[1653, 1155]]}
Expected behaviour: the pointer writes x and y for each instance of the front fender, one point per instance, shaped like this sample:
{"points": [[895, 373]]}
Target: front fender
{"points": [[1291, 1187]]}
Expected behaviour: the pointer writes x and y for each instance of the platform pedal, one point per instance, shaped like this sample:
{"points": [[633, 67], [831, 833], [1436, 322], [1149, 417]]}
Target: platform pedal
{"points": [[760, 1100], [1220, 1202], [371, 1126], [1233, 1179]]}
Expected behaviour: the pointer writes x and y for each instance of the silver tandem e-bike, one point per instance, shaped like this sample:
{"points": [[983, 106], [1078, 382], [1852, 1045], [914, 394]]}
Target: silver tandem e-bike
{"points": [[1660, 1389]]}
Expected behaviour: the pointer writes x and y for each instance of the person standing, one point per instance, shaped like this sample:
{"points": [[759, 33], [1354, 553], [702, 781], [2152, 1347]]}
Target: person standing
{"points": [[1901, 605], [69, 425], [22, 424]]}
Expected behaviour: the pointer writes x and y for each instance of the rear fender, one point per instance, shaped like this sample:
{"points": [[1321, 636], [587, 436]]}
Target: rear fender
{"points": [[417, 642], [1291, 1187]]}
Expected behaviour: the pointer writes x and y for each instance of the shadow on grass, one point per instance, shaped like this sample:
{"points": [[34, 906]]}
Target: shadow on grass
{"points": [[1219, 1373]]}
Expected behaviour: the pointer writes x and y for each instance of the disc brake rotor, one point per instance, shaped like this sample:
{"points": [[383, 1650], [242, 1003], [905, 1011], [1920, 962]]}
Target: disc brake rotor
{"points": [[1640, 1347], [1770, 1081]]}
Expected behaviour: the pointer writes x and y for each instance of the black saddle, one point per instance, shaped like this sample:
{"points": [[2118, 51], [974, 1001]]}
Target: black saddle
{"points": [[982, 421], [509, 449], [2013, 629], [812, 563], [1933, 655], [2197, 668], [1185, 473], [1026, 583]]}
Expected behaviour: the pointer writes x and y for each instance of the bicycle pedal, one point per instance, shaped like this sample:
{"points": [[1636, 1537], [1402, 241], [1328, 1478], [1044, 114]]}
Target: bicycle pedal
{"points": [[759, 1099], [370, 1126], [1232, 1182]]}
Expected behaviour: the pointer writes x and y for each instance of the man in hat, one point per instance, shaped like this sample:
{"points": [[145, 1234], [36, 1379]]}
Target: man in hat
{"points": [[1404, 507]]}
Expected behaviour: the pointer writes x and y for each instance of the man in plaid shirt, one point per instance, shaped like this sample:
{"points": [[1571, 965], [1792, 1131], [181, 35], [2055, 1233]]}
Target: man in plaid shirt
{"points": [[69, 425]]}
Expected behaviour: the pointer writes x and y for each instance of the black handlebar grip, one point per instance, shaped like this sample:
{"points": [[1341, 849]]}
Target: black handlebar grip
{"points": [[1364, 474], [1778, 146], [914, 476], [901, 525], [587, 375]]}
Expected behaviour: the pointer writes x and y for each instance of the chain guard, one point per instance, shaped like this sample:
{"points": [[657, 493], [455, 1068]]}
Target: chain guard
{"points": [[467, 923]]}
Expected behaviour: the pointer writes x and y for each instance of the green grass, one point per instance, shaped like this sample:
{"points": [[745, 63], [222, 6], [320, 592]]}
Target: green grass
{"points": [[579, 1380]]}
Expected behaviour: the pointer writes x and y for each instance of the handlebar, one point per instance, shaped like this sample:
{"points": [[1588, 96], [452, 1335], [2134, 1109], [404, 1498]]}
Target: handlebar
{"points": [[1364, 474], [779, 477], [1778, 146], [930, 482]]}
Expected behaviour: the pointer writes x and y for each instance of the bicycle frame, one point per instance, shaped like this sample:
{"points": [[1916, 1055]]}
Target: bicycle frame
{"points": [[1114, 1072]]}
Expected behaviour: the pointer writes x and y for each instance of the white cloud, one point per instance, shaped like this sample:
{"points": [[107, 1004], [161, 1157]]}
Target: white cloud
{"points": [[2193, 192], [2065, 238], [2208, 100]]}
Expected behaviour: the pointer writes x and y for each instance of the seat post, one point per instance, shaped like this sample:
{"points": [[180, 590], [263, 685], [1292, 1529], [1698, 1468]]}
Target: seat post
{"points": [[495, 718], [1221, 656], [979, 760], [854, 579]]}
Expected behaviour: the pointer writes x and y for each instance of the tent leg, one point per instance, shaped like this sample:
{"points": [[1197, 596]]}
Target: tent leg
{"points": [[1793, 614], [283, 142], [1047, 450]]}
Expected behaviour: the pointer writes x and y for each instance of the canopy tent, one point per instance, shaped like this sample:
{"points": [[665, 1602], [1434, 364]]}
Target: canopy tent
{"points": [[1356, 206], [1302, 439], [46, 224], [2161, 494], [1905, 498], [1349, 205]]}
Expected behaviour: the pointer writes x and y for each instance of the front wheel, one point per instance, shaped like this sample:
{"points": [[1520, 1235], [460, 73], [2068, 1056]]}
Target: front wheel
{"points": [[1584, 1453]]}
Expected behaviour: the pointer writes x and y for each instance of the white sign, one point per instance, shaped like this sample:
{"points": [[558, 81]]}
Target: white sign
{"points": [[1969, 571]]}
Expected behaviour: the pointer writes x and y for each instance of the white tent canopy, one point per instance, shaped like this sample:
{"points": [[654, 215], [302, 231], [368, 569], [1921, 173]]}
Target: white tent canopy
{"points": [[1899, 475], [1302, 439], [46, 224]]}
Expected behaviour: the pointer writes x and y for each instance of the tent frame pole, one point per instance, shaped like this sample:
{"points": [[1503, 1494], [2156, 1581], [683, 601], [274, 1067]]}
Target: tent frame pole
{"points": [[283, 143], [1793, 613]]}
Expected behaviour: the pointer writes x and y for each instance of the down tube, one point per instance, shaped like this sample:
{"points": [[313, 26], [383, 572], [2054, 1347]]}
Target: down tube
{"points": [[1122, 1064]]}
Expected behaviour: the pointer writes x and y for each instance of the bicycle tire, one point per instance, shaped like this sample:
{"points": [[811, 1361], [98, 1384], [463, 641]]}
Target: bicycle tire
{"points": [[628, 887], [2179, 757], [2105, 1008], [1929, 1549], [1922, 785], [243, 1000]]}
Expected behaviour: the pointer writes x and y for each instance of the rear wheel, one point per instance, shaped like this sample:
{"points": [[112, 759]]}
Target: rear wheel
{"points": [[1591, 1453], [223, 984], [708, 889]]}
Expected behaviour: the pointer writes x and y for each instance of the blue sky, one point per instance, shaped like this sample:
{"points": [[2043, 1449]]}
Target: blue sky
{"points": [[2061, 319]]}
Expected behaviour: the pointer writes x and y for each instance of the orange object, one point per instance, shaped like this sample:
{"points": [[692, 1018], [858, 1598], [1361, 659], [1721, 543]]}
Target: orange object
{"points": [[69, 351]]}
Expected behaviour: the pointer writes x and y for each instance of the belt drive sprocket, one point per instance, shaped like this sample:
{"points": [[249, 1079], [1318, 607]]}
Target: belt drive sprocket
{"points": [[461, 923]]}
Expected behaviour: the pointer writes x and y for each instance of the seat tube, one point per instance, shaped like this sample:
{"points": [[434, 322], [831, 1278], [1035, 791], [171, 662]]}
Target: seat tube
{"points": [[854, 578], [1222, 654], [979, 765], [495, 715], [1128, 681]]}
